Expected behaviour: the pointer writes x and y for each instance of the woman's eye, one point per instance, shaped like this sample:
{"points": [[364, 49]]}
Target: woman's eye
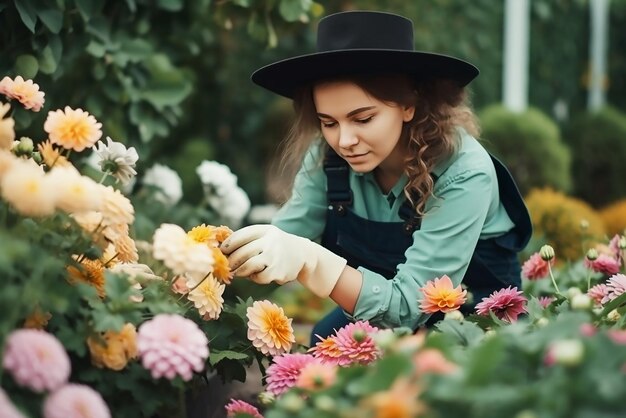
{"points": [[328, 124], [365, 120]]}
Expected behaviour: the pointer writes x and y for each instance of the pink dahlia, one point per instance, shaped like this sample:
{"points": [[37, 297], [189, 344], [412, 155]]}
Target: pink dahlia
{"points": [[75, 401], [36, 360], [545, 301], [598, 293], [536, 267], [603, 264], [237, 408], [615, 286], [170, 345], [506, 304], [24, 91], [7, 409], [284, 372], [350, 344]]}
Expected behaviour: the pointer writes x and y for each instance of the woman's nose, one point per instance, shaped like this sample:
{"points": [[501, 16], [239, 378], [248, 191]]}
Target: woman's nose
{"points": [[347, 137]]}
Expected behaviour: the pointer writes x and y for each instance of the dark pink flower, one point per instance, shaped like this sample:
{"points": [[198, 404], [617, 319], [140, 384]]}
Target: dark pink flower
{"points": [[615, 286], [350, 344], [237, 407], [535, 267], [603, 264], [284, 372], [506, 304], [598, 293]]}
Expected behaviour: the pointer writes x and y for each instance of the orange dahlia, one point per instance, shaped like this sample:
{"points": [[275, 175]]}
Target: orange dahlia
{"points": [[440, 295]]}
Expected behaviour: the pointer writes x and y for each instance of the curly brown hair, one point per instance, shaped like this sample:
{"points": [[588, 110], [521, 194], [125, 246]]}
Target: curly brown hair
{"points": [[441, 107]]}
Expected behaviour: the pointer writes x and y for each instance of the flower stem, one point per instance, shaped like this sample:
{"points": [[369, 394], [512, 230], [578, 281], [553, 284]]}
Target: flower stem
{"points": [[552, 278], [182, 405], [105, 175]]}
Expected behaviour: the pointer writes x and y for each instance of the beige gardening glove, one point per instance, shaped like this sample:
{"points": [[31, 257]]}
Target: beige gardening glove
{"points": [[265, 254]]}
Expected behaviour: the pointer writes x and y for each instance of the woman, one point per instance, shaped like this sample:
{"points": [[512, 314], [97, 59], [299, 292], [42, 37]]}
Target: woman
{"points": [[398, 192]]}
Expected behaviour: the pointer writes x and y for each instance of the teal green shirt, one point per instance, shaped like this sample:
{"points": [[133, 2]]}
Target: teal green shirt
{"points": [[465, 207]]}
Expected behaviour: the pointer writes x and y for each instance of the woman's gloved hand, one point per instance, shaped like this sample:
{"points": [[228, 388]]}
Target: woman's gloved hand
{"points": [[267, 254]]}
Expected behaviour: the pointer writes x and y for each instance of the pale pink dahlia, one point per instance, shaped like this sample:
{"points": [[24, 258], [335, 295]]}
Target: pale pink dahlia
{"points": [[603, 264], [284, 372], [317, 376], [536, 267], [170, 345], [75, 401], [545, 301], [615, 286], [506, 304], [237, 408], [36, 360], [598, 293], [24, 91], [7, 409], [350, 344]]}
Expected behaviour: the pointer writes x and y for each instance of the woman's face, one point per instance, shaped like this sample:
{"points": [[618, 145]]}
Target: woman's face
{"points": [[360, 128]]}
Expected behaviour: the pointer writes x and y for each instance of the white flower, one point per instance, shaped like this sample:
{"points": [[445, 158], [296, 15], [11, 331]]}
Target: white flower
{"points": [[567, 352], [75, 193], [181, 253], [167, 181], [216, 178], [117, 160], [25, 186], [232, 206]]}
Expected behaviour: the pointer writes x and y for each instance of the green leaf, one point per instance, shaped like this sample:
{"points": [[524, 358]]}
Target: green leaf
{"points": [[100, 28], [534, 309], [467, 333], [217, 356], [47, 63], [170, 5], [27, 13], [484, 360], [27, 66], [89, 8], [293, 10], [53, 19], [621, 299]]}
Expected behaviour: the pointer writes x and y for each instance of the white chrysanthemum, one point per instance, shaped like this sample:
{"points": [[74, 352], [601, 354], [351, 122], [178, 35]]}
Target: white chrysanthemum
{"points": [[25, 186], [75, 192], [216, 178], [207, 297], [7, 127], [232, 206], [167, 181], [117, 160], [116, 208], [181, 253]]}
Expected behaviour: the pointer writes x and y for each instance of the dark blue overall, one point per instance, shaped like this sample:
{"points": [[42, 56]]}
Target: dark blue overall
{"points": [[380, 246]]}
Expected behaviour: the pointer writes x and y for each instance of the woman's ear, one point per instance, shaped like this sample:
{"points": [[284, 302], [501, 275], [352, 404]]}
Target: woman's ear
{"points": [[407, 113]]}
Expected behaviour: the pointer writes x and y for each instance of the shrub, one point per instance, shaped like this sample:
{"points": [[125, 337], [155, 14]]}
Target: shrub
{"points": [[529, 143], [598, 144], [614, 217], [557, 220]]}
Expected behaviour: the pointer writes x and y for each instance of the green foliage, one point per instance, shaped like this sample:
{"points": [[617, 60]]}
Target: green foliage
{"points": [[598, 144], [530, 145]]}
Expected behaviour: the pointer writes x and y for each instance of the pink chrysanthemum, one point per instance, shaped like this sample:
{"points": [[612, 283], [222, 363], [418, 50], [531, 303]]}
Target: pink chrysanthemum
{"points": [[284, 372], [604, 264], [598, 293], [170, 345], [24, 91], [235, 407], [440, 295], [36, 360], [72, 128], [350, 344], [615, 286], [317, 376], [535, 267], [7, 409], [75, 401], [545, 301], [506, 304]]}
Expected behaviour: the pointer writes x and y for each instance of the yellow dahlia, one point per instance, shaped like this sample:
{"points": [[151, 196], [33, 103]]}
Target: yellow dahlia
{"points": [[269, 329], [51, 156], [203, 234], [25, 186], [207, 298], [90, 272], [7, 127], [112, 349], [441, 295], [221, 268], [24, 91], [72, 129]]}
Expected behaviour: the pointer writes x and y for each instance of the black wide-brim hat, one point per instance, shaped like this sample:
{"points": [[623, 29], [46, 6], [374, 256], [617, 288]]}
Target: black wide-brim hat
{"points": [[362, 42]]}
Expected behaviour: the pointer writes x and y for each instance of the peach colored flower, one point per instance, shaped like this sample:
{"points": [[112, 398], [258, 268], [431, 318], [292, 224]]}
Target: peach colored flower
{"points": [[269, 329], [208, 234], [207, 297], [179, 285], [113, 349], [7, 127], [221, 268], [51, 156], [24, 91], [400, 401], [440, 295], [536, 268], [180, 253], [317, 376], [126, 249], [116, 208], [72, 129], [7, 160], [25, 186], [430, 360], [74, 192]]}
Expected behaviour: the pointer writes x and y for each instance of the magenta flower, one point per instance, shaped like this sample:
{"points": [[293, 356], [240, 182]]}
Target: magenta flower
{"points": [[236, 407], [615, 286], [75, 401], [603, 264], [170, 345], [598, 293], [535, 267], [284, 372], [545, 301], [350, 344], [7, 409], [506, 304], [36, 360]]}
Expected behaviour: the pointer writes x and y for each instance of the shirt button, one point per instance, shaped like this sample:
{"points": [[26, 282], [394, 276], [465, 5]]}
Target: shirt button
{"points": [[376, 289]]}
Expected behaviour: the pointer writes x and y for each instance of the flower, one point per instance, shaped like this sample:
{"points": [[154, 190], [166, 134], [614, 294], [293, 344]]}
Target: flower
{"points": [[351, 344], [400, 401], [209, 235], [90, 272], [179, 285], [116, 160], [170, 345], [25, 186], [113, 349], [216, 178], [233, 206], [7, 127], [283, 373], [236, 408], [207, 297], [603, 264], [536, 267], [126, 249], [8, 409], [221, 267], [24, 91], [430, 360], [74, 192], [545, 301], [568, 352], [36, 360], [75, 401], [116, 208], [37, 319], [618, 336], [598, 292], [615, 286], [166, 181], [316, 376], [441, 295], [72, 129], [269, 329], [204, 234], [180, 253], [506, 304], [51, 156]]}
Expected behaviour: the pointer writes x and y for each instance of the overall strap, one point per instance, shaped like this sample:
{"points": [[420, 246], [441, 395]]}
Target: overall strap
{"points": [[412, 220], [339, 193]]}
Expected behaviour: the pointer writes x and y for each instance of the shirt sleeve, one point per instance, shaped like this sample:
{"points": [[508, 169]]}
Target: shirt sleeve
{"points": [[304, 214], [443, 245]]}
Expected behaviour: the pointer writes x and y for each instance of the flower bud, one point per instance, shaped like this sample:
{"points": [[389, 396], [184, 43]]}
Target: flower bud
{"points": [[592, 254], [613, 316], [490, 333], [384, 338], [291, 402], [325, 403], [24, 147], [546, 252], [266, 398], [527, 413], [584, 224], [582, 302], [455, 315], [567, 352], [622, 243], [36, 156], [542, 322], [359, 335], [573, 291]]}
